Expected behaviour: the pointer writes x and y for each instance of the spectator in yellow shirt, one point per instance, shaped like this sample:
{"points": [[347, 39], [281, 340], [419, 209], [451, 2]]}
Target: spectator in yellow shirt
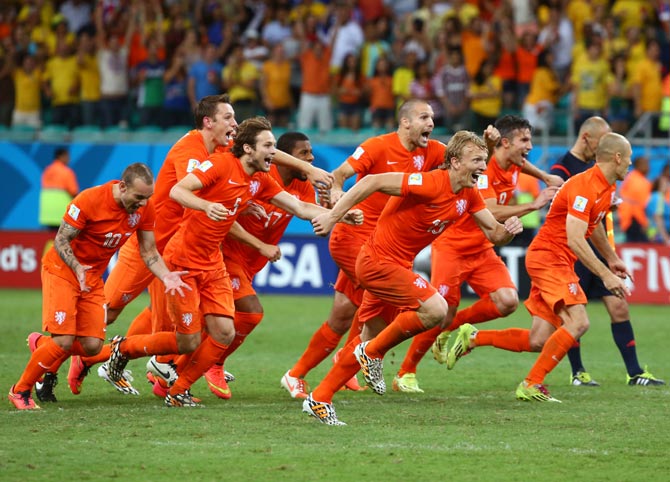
{"points": [[647, 82], [89, 80], [61, 86], [544, 90], [591, 80], [27, 100]]}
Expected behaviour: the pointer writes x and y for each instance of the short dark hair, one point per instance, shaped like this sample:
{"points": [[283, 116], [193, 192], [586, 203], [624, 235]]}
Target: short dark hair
{"points": [[288, 140], [509, 123], [135, 171], [59, 151], [247, 133], [207, 107]]}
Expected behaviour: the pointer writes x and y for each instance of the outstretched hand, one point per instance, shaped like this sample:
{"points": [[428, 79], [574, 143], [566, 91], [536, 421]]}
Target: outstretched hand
{"points": [[353, 217], [320, 179], [81, 277], [322, 224], [173, 282]]}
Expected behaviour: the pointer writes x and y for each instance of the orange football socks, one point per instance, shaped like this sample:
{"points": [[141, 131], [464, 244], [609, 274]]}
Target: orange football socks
{"points": [[482, 310], [553, 352], [511, 339], [406, 325], [323, 342], [421, 343], [47, 357], [346, 367]]}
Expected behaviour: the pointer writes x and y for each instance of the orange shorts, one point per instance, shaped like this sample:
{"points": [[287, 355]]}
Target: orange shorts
{"points": [[210, 294], [66, 310], [344, 248], [344, 285], [240, 281], [485, 272], [129, 277], [553, 286], [388, 283]]}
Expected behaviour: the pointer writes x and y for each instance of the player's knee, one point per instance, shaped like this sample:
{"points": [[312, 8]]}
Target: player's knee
{"points": [[113, 314], [434, 312], [581, 327], [506, 300], [187, 343], [91, 346], [536, 342]]}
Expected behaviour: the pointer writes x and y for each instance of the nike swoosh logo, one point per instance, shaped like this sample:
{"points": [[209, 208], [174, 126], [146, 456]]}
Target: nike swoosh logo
{"points": [[165, 375], [391, 163], [230, 181], [290, 387]]}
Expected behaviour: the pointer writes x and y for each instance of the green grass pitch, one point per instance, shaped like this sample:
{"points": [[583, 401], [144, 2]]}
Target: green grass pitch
{"points": [[467, 426]]}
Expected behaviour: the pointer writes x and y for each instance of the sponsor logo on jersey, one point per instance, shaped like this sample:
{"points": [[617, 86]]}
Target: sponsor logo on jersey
{"points": [[415, 179], [192, 164], [580, 204], [418, 162], [134, 220], [420, 283], [73, 212], [59, 317], [205, 166], [461, 205], [254, 186], [572, 288]]}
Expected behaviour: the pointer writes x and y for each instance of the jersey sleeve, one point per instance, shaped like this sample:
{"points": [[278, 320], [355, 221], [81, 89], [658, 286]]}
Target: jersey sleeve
{"points": [[79, 210], [580, 199], [424, 185], [363, 158], [475, 201], [210, 170], [485, 188]]}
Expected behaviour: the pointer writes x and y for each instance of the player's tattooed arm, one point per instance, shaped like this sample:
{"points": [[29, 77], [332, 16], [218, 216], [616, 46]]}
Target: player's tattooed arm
{"points": [[63, 245]]}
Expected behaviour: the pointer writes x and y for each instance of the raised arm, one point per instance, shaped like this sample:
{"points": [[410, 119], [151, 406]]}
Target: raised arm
{"points": [[548, 179], [502, 212], [498, 234], [317, 177], [183, 193], [388, 183]]}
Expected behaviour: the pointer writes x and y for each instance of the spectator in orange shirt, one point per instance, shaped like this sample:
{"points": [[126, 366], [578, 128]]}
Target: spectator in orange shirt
{"points": [[348, 89], [59, 186], [315, 94], [635, 192]]}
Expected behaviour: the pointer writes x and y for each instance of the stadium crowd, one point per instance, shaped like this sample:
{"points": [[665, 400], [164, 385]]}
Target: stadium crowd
{"points": [[345, 63]]}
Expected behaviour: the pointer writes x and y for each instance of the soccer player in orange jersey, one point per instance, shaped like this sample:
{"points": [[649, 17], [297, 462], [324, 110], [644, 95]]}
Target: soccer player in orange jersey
{"points": [[409, 149], [215, 128], [226, 182], [556, 302], [463, 254], [397, 303], [97, 222], [243, 261], [579, 158]]}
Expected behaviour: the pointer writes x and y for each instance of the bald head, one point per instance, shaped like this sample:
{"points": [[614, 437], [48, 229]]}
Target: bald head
{"points": [[595, 127], [613, 156], [612, 144]]}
